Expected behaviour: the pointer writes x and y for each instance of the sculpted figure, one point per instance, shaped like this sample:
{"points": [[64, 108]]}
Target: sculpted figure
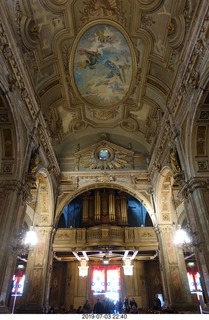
{"points": [[174, 161]]}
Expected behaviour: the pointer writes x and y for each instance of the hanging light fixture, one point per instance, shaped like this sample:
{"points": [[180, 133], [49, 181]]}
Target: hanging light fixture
{"points": [[181, 237], [31, 238], [105, 260], [83, 268], [27, 239], [127, 267], [186, 238]]}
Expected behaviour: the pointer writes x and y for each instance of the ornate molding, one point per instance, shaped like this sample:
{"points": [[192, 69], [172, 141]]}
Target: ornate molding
{"points": [[23, 190], [94, 9], [70, 239], [104, 155], [32, 105], [191, 73]]}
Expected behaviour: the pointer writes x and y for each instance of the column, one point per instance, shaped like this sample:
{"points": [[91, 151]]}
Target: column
{"points": [[173, 269], [197, 206], [11, 211], [38, 268]]}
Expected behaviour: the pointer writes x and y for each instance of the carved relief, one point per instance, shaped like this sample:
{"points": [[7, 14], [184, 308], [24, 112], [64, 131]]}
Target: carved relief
{"points": [[104, 114], [202, 165], [102, 9], [147, 21], [104, 156]]}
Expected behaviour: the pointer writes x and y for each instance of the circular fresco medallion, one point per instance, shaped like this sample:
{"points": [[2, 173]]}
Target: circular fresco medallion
{"points": [[102, 65]]}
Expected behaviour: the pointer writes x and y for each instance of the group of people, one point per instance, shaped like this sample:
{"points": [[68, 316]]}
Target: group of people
{"points": [[108, 306], [129, 307]]}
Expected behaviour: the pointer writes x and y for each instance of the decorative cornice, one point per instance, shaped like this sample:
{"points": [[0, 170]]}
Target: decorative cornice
{"points": [[190, 69], [23, 190], [17, 80], [197, 183], [189, 79]]}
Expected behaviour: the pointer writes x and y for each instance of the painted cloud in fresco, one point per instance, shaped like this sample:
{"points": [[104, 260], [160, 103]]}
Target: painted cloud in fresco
{"points": [[102, 66]]}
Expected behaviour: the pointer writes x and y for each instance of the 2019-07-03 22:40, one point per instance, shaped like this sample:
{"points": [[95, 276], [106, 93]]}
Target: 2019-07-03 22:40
{"points": [[103, 316]]}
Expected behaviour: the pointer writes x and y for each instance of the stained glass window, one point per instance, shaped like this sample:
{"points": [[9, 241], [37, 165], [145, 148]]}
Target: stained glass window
{"points": [[113, 278], [194, 281], [98, 279], [18, 284], [105, 278]]}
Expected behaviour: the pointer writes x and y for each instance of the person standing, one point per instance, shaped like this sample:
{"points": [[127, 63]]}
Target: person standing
{"points": [[119, 306], [98, 307], [86, 307]]}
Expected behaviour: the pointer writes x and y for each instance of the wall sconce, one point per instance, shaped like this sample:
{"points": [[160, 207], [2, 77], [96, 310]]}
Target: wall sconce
{"points": [[83, 268], [128, 268], [186, 238]]}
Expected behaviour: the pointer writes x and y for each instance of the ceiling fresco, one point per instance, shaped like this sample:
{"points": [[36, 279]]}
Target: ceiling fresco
{"points": [[102, 67]]}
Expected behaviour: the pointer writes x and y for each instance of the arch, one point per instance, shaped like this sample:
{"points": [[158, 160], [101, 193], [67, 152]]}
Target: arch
{"points": [[137, 215], [197, 131], [68, 197]]}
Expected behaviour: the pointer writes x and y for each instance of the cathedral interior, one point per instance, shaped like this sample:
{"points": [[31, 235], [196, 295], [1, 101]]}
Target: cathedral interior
{"points": [[104, 153]]}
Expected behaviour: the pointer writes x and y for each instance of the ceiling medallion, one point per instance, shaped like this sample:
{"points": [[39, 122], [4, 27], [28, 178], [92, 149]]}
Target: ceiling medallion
{"points": [[103, 65]]}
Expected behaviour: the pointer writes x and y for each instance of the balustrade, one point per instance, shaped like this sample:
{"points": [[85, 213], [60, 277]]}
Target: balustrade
{"points": [[142, 238]]}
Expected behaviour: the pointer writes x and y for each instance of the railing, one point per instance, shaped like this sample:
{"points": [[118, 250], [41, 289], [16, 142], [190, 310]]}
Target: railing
{"points": [[142, 238]]}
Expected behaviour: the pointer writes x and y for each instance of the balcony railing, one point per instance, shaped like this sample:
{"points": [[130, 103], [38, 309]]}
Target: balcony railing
{"points": [[137, 238]]}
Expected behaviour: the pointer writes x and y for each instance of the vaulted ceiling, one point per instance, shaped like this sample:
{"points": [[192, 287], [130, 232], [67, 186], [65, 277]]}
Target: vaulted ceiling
{"points": [[102, 69]]}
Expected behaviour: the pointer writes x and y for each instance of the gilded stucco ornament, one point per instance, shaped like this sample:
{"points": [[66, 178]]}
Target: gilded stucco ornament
{"points": [[104, 155], [95, 9]]}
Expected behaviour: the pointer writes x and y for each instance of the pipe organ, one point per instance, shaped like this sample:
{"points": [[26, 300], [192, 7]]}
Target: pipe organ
{"points": [[104, 206]]}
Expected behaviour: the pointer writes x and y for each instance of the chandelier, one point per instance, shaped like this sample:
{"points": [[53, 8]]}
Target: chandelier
{"points": [[186, 238], [25, 241]]}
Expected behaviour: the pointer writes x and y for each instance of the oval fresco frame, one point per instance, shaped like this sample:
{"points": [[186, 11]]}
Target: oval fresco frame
{"points": [[110, 74]]}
